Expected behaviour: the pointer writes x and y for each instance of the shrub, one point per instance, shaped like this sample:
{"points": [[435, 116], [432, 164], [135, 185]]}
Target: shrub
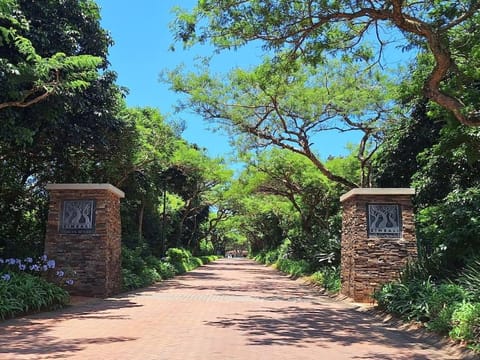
{"points": [[444, 301], [295, 268], [206, 247], [442, 323], [139, 271], [331, 279], [466, 323], [410, 300], [22, 293], [328, 278], [470, 279], [260, 257], [193, 263], [208, 259], [131, 280], [176, 255], [451, 228], [166, 270], [179, 258], [132, 260], [271, 257]]}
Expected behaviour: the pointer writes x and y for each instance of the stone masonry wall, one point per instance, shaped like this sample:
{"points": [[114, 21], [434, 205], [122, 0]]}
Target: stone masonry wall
{"points": [[368, 262], [94, 257]]}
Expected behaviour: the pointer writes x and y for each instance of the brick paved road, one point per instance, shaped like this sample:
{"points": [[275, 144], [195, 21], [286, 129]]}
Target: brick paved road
{"points": [[232, 309]]}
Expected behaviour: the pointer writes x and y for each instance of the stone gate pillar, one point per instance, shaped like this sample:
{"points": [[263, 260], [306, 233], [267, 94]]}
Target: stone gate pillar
{"points": [[378, 237], [84, 235]]}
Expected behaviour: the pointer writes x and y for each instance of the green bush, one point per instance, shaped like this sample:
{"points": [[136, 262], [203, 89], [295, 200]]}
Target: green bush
{"points": [[206, 248], [451, 228], [22, 293], [271, 257], [470, 279], [132, 260], [194, 262], [442, 323], [410, 300], [166, 270], [442, 304], [466, 323], [295, 268], [328, 278], [208, 258], [131, 280], [139, 270], [182, 260], [177, 255], [179, 258], [260, 257]]}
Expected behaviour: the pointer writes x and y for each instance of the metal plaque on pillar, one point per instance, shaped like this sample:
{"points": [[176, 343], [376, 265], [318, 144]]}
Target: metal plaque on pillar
{"points": [[384, 220], [77, 217]]}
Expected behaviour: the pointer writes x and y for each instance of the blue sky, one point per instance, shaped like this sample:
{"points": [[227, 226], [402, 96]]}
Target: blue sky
{"points": [[141, 51], [142, 38]]}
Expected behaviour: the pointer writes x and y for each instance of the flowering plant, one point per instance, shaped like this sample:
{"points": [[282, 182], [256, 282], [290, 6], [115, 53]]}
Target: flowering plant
{"points": [[38, 266]]}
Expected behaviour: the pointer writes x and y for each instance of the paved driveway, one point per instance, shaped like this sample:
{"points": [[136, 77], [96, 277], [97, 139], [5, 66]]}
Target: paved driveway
{"points": [[231, 309]]}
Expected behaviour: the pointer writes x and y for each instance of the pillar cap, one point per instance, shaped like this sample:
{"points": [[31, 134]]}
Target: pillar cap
{"points": [[108, 187], [377, 192]]}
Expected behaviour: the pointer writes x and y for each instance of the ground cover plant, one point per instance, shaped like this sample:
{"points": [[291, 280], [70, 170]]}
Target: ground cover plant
{"points": [[30, 285], [140, 268], [326, 276], [447, 307]]}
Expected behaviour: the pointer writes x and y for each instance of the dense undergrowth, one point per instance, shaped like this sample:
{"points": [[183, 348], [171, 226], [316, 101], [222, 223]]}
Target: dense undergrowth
{"points": [[448, 307], [24, 287], [140, 268], [326, 276]]}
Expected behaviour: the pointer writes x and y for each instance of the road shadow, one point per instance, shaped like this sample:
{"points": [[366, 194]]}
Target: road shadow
{"points": [[29, 335], [325, 327]]}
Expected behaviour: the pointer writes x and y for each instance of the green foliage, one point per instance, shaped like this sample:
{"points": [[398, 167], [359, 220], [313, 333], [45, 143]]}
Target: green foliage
{"points": [[206, 248], [140, 269], [327, 277], [466, 323], [73, 132], [295, 268], [208, 258], [452, 164], [470, 279], [24, 293], [396, 161], [442, 30], [284, 96], [182, 260], [452, 228], [424, 301], [176, 255], [271, 257]]}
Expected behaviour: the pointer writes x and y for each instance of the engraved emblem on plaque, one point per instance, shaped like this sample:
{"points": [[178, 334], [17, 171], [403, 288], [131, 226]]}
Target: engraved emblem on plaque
{"points": [[384, 220], [78, 217]]}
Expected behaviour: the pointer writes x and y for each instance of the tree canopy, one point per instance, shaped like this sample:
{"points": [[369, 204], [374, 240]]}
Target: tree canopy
{"points": [[29, 75], [314, 30], [285, 104]]}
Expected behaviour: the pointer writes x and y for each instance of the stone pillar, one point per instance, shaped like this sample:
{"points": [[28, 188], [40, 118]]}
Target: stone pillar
{"points": [[84, 236], [378, 237]]}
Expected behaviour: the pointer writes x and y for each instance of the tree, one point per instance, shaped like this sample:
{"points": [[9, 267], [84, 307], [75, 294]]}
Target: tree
{"points": [[314, 201], [199, 180], [27, 77], [74, 133], [311, 29], [285, 104], [396, 161], [151, 144]]}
